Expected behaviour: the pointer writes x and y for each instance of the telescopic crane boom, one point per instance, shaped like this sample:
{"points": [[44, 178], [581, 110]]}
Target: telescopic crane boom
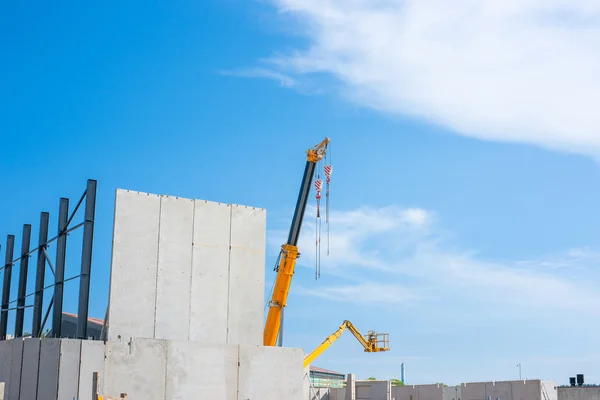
{"points": [[289, 251], [373, 342]]}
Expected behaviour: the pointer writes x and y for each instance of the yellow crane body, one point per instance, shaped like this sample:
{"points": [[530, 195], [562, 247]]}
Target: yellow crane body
{"points": [[373, 342], [289, 251]]}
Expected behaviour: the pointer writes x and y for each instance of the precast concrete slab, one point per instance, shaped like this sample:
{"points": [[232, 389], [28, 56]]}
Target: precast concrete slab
{"points": [[498, 390], [380, 390], [363, 391], [202, 371], [245, 317], [47, 387], [29, 369], [473, 391], [210, 272], [550, 388], [92, 360], [137, 368], [68, 368], [5, 364], [14, 386], [337, 394], [527, 390], [430, 392], [174, 268], [270, 373], [405, 393], [134, 266], [451, 393]]}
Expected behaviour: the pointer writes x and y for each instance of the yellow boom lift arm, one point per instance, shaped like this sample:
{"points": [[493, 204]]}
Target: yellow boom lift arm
{"points": [[289, 251], [373, 342]]}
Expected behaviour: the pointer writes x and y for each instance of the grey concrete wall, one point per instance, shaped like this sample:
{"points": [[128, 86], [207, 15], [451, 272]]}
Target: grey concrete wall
{"points": [[5, 365], [172, 315], [50, 369], [245, 317], [29, 369], [134, 266], [137, 368], [177, 370], [270, 373], [47, 387], [498, 390], [14, 385], [405, 392], [578, 393], [214, 376], [451, 393], [194, 269], [337, 394], [550, 388], [210, 272]]}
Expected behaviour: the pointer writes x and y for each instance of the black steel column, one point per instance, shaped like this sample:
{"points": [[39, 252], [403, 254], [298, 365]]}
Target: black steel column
{"points": [[22, 280], [10, 247], [40, 275], [86, 259], [59, 277]]}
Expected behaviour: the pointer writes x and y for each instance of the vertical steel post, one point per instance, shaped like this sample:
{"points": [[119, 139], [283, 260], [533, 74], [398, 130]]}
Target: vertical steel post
{"points": [[40, 275], [59, 277], [10, 247], [23, 280], [86, 259]]}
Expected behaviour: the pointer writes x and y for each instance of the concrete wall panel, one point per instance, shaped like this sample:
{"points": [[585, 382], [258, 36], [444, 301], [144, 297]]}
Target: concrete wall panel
{"points": [[578, 393], [29, 370], [47, 388], [430, 392], [526, 390], [452, 393], [405, 393], [337, 394], [270, 373], [68, 368], [6, 348], [550, 388], [210, 272], [381, 390], [473, 391], [92, 360], [134, 265], [246, 275], [174, 268], [137, 369], [498, 390], [199, 371], [363, 391], [16, 363]]}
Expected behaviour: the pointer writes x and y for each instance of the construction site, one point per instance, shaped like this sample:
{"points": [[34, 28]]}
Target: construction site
{"points": [[185, 318]]}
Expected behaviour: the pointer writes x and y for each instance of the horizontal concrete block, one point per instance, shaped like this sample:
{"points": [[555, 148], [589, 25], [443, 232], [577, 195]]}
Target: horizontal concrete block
{"points": [[137, 369], [201, 371], [283, 367]]}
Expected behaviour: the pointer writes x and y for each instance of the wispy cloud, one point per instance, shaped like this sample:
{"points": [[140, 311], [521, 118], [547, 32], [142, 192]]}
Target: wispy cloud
{"points": [[283, 79], [513, 70], [393, 255]]}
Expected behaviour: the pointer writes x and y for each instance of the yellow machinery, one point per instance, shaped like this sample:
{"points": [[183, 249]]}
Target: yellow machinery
{"points": [[373, 342], [289, 251]]}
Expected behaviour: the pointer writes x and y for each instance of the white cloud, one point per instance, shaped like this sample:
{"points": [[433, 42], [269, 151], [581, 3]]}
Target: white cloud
{"points": [[283, 79], [512, 70], [389, 259]]}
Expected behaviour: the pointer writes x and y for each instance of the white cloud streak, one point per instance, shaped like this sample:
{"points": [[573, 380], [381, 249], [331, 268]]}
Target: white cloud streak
{"points": [[513, 70], [395, 255]]}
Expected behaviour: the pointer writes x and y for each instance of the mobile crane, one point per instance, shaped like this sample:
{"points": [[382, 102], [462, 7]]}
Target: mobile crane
{"points": [[289, 251], [372, 342]]}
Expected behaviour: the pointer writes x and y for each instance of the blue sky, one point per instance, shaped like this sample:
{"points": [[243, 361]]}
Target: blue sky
{"points": [[464, 204]]}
